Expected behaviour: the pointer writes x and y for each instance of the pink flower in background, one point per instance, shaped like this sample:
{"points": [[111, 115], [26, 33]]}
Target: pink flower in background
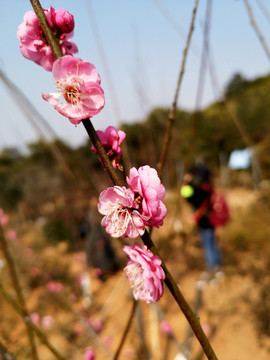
{"points": [[89, 354], [77, 330], [145, 273], [35, 318], [4, 219], [166, 327], [111, 139], [121, 219], [33, 44], [79, 257], [54, 287], [73, 298], [97, 272], [96, 324], [108, 340], [47, 322], [28, 252], [128, 353], [78, 84], [146, 184], [206, 328], [35, 271], [11, 235]]}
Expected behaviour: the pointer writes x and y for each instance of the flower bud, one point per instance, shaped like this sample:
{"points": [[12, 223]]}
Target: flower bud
{"points": [[63, 20]]}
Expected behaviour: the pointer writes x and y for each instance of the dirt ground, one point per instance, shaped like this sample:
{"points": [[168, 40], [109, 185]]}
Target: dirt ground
{"points": [[226, 311]]}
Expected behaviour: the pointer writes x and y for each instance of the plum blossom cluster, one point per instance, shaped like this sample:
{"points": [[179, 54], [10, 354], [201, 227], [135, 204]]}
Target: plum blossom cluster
{"points": [[80, 95], [33, 44], [127, 211]]}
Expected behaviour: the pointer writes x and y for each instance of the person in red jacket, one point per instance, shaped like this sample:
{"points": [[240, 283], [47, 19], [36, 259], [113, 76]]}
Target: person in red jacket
{"points": [[197, 190]]}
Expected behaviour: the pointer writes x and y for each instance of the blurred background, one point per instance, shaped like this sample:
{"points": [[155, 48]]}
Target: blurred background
{"points": [[48, 174]]}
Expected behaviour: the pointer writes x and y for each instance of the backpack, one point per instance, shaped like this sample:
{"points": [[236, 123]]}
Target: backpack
{"points": [[219, 210]]}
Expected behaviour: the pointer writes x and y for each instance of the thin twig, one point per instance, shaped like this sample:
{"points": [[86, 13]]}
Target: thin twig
{"points": [[248, 141], [27, 320], [264, 10], [109, 77], [18, 290], [191, 317], [201, 82], [203, 64], [125, 333], [256, 29], [175, 24], [101, 152], [6, 355], [93, 334], [172, 112], [22, 101]]}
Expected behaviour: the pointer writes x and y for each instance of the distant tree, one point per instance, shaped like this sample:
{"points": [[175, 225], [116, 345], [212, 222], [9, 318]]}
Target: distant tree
{"points": [[237, 82]]}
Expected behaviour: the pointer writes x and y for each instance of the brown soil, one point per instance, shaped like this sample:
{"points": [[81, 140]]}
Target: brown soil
{"points": [[226, 313]]}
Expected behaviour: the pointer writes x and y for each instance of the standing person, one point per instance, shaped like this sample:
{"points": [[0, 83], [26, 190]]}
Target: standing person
{"points": [[100, 253], [197, 190]]}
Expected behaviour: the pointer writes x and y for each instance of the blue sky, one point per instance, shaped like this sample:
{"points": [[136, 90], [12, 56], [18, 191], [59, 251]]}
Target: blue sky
{"points": [[143, 52]]}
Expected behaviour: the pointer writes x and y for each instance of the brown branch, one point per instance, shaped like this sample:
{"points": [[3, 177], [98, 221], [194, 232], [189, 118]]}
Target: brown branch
{"points": [[27, 320], [125, 333], [6, 355], [256, 29], [203, 64], [18, 290], [22, 101], [191, 317], [172, 112], [101, 152], [264, 10]]}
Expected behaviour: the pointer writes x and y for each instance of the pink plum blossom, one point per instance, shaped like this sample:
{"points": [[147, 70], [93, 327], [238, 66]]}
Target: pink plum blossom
{"points": [[54, 287], [4, 218], [35, 271], [108, 340], [97, 272], [121, 219], [79, 257], [11, 235], [128, 353], [35, 318], [166, 327], [96, 324], [78, 85], [73, 298], [146, 184], [77, 329], [111, 139], [89, 354], [47, 322], [145, 273], [28, 252], [33, 44]]}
